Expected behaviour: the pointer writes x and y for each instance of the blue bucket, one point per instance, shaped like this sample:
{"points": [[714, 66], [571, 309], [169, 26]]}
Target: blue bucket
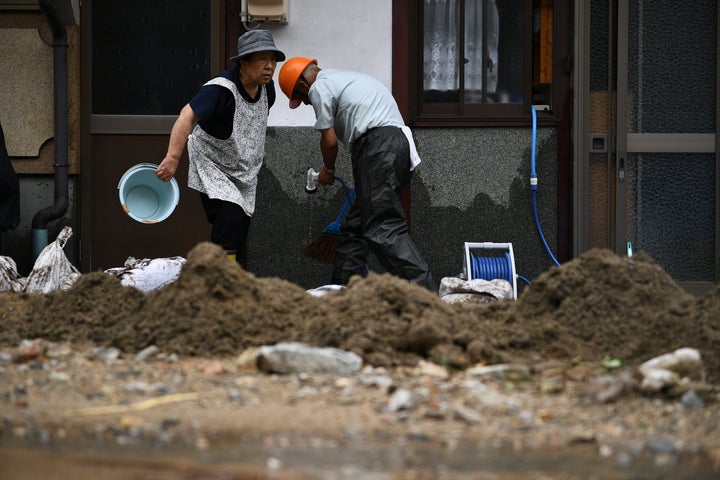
{"points": [[146, 198]]}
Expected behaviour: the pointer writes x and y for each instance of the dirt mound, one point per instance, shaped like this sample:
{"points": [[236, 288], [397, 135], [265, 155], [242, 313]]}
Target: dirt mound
{"points": [[604, 305], [87, 312], [386, 320], [216, 308], [595, 306]]}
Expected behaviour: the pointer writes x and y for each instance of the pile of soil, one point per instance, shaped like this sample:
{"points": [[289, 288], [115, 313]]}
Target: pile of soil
{"points": [[596, 306]]}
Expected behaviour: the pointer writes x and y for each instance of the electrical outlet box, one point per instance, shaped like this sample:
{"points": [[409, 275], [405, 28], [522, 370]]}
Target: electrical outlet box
{"points": [[267, 11]]}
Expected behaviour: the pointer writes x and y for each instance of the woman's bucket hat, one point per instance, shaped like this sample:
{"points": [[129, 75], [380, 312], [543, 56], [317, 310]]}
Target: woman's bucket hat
{"points": [[257, 41]]}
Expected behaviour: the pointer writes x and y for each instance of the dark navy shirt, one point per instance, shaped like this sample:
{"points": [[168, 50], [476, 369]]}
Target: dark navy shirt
{"points": [[215, 105]]}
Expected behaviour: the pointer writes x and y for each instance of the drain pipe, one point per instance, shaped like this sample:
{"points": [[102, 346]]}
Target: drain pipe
{"points": [[60, 91]]}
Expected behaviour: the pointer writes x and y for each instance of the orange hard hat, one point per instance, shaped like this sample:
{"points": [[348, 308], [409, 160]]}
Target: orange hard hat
{"points": [[290, 74]]}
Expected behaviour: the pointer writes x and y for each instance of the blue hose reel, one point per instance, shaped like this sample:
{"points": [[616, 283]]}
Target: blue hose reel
{"points": [[490, 261]]}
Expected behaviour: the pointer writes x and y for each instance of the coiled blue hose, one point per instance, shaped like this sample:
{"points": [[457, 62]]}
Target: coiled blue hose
{"points": [[490, 268]]}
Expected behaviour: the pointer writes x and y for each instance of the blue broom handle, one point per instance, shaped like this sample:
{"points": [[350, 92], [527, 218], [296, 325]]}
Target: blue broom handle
{"points": [[349, 194], [344, 186], [346, 205]]}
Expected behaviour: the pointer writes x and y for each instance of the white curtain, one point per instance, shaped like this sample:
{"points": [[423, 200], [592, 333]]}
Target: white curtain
{"points": [[475, 67], [440, 69], [441, 63]]}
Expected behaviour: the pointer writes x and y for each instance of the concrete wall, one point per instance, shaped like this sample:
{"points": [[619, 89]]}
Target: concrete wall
{"points": [[472, 186]]}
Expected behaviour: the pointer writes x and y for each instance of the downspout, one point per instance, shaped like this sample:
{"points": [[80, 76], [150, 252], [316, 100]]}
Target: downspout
{"points": [[60, 92]]}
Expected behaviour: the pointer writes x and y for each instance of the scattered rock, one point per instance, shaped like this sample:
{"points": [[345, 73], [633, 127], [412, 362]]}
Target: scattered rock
{"points": [[668, 370], [295, 357], [29, 350]]}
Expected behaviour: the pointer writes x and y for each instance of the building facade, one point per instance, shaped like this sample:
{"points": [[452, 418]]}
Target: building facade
{"points": [[610, 106]]}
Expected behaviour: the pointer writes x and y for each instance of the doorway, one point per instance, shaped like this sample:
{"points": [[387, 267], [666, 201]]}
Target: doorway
{"points": [[147, 61], [647, 166]]}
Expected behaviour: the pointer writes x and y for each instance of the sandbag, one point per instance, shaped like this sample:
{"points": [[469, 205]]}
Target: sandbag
{"points": [[10, 280], [148, 275], [52, 270], [457, 290]]}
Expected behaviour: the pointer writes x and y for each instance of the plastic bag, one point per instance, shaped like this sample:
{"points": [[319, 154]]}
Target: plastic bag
{"points": [[147, 274], [324, 290], [457, 290], [52, 270], [10, 280]]}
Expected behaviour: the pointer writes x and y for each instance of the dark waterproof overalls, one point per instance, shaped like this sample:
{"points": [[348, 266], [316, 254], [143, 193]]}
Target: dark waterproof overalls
{"points": [[376, 220]]}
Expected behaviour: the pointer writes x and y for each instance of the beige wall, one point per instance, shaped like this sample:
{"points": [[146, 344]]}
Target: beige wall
{"points": [[27, 93]]}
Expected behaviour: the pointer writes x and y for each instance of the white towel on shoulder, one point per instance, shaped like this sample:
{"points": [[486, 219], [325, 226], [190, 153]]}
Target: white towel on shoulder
{"points": [[414, 157]]}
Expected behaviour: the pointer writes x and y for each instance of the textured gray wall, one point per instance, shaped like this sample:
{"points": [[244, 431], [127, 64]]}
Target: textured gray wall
{"points": [[472, 186]]}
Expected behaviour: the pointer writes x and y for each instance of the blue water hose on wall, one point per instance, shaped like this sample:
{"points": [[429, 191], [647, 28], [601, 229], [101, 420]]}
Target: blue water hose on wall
{"points": [[534, 185], [502, 267]]}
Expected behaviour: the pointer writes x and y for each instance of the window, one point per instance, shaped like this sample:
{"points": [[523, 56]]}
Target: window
{"points": [[479, 60], [148, 58]]}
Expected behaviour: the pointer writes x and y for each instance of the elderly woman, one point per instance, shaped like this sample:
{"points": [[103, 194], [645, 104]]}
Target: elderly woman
{"points": [[224, 127]]}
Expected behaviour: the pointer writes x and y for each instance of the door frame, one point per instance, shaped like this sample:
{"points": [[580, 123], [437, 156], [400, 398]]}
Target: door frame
{"points": [[624, 143]]}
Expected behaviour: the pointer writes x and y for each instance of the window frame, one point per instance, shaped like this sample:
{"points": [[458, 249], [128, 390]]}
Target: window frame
{"points": [[138, 124], [407, 70]]}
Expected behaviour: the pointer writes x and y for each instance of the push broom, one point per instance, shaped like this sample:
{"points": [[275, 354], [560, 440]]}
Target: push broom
{"points": [[324, 247]]}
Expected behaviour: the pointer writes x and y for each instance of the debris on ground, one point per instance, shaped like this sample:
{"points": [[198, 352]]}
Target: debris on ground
{"points": [[564, 364]]}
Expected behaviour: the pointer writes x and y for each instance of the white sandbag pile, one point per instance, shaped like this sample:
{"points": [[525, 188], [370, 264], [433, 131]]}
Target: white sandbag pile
{"points": [[52, 270]]}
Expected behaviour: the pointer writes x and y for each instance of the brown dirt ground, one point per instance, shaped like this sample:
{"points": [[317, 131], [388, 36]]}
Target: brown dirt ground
{"points": [[597, 306]]}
